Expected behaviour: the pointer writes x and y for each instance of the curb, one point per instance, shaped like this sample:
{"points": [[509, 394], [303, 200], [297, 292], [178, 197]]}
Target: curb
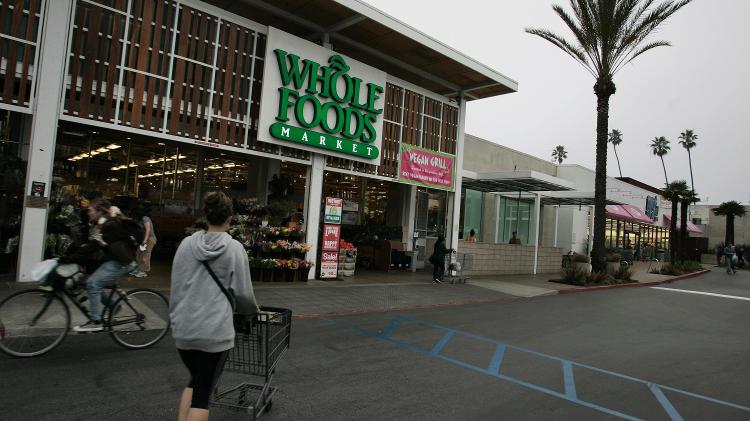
{"points": [[634, 285], [306, 316]]}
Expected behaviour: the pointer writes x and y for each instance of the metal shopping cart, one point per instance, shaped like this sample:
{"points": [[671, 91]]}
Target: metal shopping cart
{"points": [[258, 347], [457, 265]]}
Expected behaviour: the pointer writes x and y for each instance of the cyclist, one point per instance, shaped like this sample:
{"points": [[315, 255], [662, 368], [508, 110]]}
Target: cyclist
{"points": [[109, 242]]}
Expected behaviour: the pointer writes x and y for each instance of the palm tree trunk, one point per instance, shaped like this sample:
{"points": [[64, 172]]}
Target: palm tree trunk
{"points": [[729, 236], [690, 161], [673, 246], [604, 88], [618, 160], [683, 230], [666, 180]]}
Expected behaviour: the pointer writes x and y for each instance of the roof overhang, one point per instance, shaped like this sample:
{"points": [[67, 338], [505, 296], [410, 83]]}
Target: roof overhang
{"points": [[514, 181], [364, 33], [558, 198]]}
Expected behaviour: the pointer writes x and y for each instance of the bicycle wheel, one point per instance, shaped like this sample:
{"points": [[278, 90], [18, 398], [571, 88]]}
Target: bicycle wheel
{"points": [[139, 319], [32, 322]]}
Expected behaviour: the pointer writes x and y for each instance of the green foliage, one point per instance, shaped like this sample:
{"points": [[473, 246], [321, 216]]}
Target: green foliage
{"points": [[559, 154], [580, 258], [679, 268], [623, 274], [731, 208], [573, 277]]}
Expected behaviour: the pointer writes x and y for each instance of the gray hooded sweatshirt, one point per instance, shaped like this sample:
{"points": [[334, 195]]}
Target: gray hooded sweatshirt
{"points": [[200, 313]]}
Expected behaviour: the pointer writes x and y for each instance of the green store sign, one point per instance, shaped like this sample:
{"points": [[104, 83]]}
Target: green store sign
{"points": [[344, 111]]}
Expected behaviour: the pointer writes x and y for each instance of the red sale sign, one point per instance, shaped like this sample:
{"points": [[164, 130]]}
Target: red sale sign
{"points": [[331, 237], [426, 168], [329, 264]]}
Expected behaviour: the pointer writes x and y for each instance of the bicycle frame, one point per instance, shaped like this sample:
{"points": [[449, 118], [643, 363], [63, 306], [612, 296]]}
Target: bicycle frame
{"points": [[114, 290]]}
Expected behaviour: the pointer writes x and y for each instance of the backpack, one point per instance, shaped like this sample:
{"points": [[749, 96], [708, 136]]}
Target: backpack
{"points": [[135, 231]]}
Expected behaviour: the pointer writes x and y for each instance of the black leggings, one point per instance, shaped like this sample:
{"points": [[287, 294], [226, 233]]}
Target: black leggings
{"points": [[438, 271], [205, 369]]}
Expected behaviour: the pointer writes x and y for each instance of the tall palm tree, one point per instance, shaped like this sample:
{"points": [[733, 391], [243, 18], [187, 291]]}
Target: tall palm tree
{"points": [[688, 198], [608, 34], [660, 147], [730, 210], [559, 154], [673, 192], [687, 140], [615, 138]]}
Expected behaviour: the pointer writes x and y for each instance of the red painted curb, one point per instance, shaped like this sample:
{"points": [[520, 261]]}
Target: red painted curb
{"points": [[633, 285], [404, 308]]}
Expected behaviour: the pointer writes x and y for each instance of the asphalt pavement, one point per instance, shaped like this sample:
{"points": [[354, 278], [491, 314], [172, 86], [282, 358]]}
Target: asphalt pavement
{"points": [[632, 353]]}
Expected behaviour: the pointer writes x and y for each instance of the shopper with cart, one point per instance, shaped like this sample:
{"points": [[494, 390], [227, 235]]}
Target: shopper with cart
{"points": [[201, 311], [438, 260]]}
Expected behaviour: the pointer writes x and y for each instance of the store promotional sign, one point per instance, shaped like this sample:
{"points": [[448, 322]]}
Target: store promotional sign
{"points": [[331, 237], [426, 168], [333, 210], [320, 101], [329, 264]]}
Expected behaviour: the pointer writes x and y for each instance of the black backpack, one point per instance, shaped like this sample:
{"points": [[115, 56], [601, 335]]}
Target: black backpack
{"points": [[134, 229]]}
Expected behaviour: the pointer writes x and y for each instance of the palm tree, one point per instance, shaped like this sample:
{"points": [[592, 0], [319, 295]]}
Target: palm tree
{"points": [[674, 193], [688, 198], [730, 210], [687, 140], [608, 34], [559, 154], [660, 147], [615, 138]]}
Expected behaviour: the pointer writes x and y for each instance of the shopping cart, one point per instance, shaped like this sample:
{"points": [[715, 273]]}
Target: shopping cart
{"points": [[457, 265], [258, 347]]}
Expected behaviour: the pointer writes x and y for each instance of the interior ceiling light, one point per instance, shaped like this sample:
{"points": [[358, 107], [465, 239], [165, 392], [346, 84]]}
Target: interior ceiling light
{"points": [[113, 146]]}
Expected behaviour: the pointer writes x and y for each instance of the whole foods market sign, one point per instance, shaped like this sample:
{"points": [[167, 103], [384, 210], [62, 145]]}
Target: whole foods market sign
{"points": [[318, 100]]}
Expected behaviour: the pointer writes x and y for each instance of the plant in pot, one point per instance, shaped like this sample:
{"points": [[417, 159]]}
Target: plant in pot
{"points": [[293, 266], [267, 269], [255, 274], [581, 263], [281, 271], [613, 262], [304, 269]]}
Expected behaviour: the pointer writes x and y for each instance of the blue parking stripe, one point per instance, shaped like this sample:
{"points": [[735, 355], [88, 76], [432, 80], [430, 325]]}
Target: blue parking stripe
{"points": [[569, 380], [497, 359], [665, 403], [441, 343], [494, 368]]}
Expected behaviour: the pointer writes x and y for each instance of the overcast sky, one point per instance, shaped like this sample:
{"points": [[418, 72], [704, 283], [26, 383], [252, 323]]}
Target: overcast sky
{"points": [[701, 82]]}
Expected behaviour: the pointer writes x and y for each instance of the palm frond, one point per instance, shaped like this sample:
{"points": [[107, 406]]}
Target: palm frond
{"points": [[564, 45]]}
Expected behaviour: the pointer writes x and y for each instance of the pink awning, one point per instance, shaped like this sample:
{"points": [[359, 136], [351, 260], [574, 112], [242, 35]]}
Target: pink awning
{"points": [[690, 226], [617, 211], [638, 214]]}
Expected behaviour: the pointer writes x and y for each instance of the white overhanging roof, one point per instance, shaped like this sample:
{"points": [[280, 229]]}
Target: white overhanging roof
{"points": [[514, 181]]}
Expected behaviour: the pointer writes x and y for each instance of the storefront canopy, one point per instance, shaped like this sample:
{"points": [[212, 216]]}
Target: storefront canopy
{"points": [[690, 226], [628, 213], [364, 33], [514, 181]]}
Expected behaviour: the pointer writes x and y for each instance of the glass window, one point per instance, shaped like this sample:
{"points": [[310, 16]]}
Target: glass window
{"points": [[517, 218], [472, 203]]}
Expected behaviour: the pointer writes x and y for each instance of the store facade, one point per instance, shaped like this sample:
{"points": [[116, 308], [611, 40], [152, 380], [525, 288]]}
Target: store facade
{"points": [[163, 101]]}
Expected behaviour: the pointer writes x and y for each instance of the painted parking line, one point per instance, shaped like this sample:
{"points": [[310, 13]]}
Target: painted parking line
{"points": [[493, 368], [710, 294]]}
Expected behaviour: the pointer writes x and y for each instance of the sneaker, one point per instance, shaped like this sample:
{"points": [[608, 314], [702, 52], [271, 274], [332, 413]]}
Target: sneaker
{"points": [[90, 326]]}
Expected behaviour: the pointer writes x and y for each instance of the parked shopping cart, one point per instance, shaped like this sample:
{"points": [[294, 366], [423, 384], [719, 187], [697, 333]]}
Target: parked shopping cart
{"points": [[258, 347], [457, 265]]}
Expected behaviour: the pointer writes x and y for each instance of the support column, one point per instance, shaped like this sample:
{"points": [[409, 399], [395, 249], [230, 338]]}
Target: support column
{"points": [[312, 206], [537, 215], [410, 222], [459, 169], [50, 84], [200, 164], [557, 218], [591, 230]]}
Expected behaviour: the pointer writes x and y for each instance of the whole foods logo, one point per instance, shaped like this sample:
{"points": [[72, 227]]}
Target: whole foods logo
{"points": [[343, 106]]}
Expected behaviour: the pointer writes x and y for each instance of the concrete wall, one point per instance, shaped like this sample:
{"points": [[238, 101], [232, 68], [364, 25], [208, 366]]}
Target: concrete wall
{"points": [[484, 156], [506, 259]]}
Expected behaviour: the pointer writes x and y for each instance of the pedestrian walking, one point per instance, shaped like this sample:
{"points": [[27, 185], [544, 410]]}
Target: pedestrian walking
{"points": [[741, 256], [201, 312], [438, 260], [729, 254], [143, 255]]}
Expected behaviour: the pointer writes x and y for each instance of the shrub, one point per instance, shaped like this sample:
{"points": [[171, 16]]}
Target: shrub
{"points": [[688, 266], [623, 274], [598, 278], [573, 277], [580, 258], [614, 257]]}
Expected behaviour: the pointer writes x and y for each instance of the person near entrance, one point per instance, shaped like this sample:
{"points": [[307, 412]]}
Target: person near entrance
{"points": [[109, 238], [143, 255], [200, 311], [472, 236], [729, 254], [438, 260], [514, 239]]}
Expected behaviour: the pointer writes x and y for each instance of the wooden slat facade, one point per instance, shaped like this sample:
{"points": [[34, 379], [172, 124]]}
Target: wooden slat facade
{"points": [[18, 19]]}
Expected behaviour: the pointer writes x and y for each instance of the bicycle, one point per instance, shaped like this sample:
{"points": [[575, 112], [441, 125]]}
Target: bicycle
{"points": [[35, 321]]}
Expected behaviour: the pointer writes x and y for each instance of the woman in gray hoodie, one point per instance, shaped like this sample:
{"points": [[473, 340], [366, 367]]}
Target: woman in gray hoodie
{"points": [[200, 313]]}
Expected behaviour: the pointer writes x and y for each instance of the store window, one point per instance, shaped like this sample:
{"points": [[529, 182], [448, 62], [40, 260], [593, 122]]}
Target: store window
{"points": [[472, 204], [13, 173], [516, 217]]}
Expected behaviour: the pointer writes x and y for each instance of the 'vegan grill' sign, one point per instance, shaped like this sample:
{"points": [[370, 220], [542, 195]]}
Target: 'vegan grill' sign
{"points": [[317, 100]]}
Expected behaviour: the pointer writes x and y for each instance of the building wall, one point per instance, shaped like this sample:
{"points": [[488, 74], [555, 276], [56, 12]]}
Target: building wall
{"points": [[506, 259], [484, 156], [716, 225]]}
